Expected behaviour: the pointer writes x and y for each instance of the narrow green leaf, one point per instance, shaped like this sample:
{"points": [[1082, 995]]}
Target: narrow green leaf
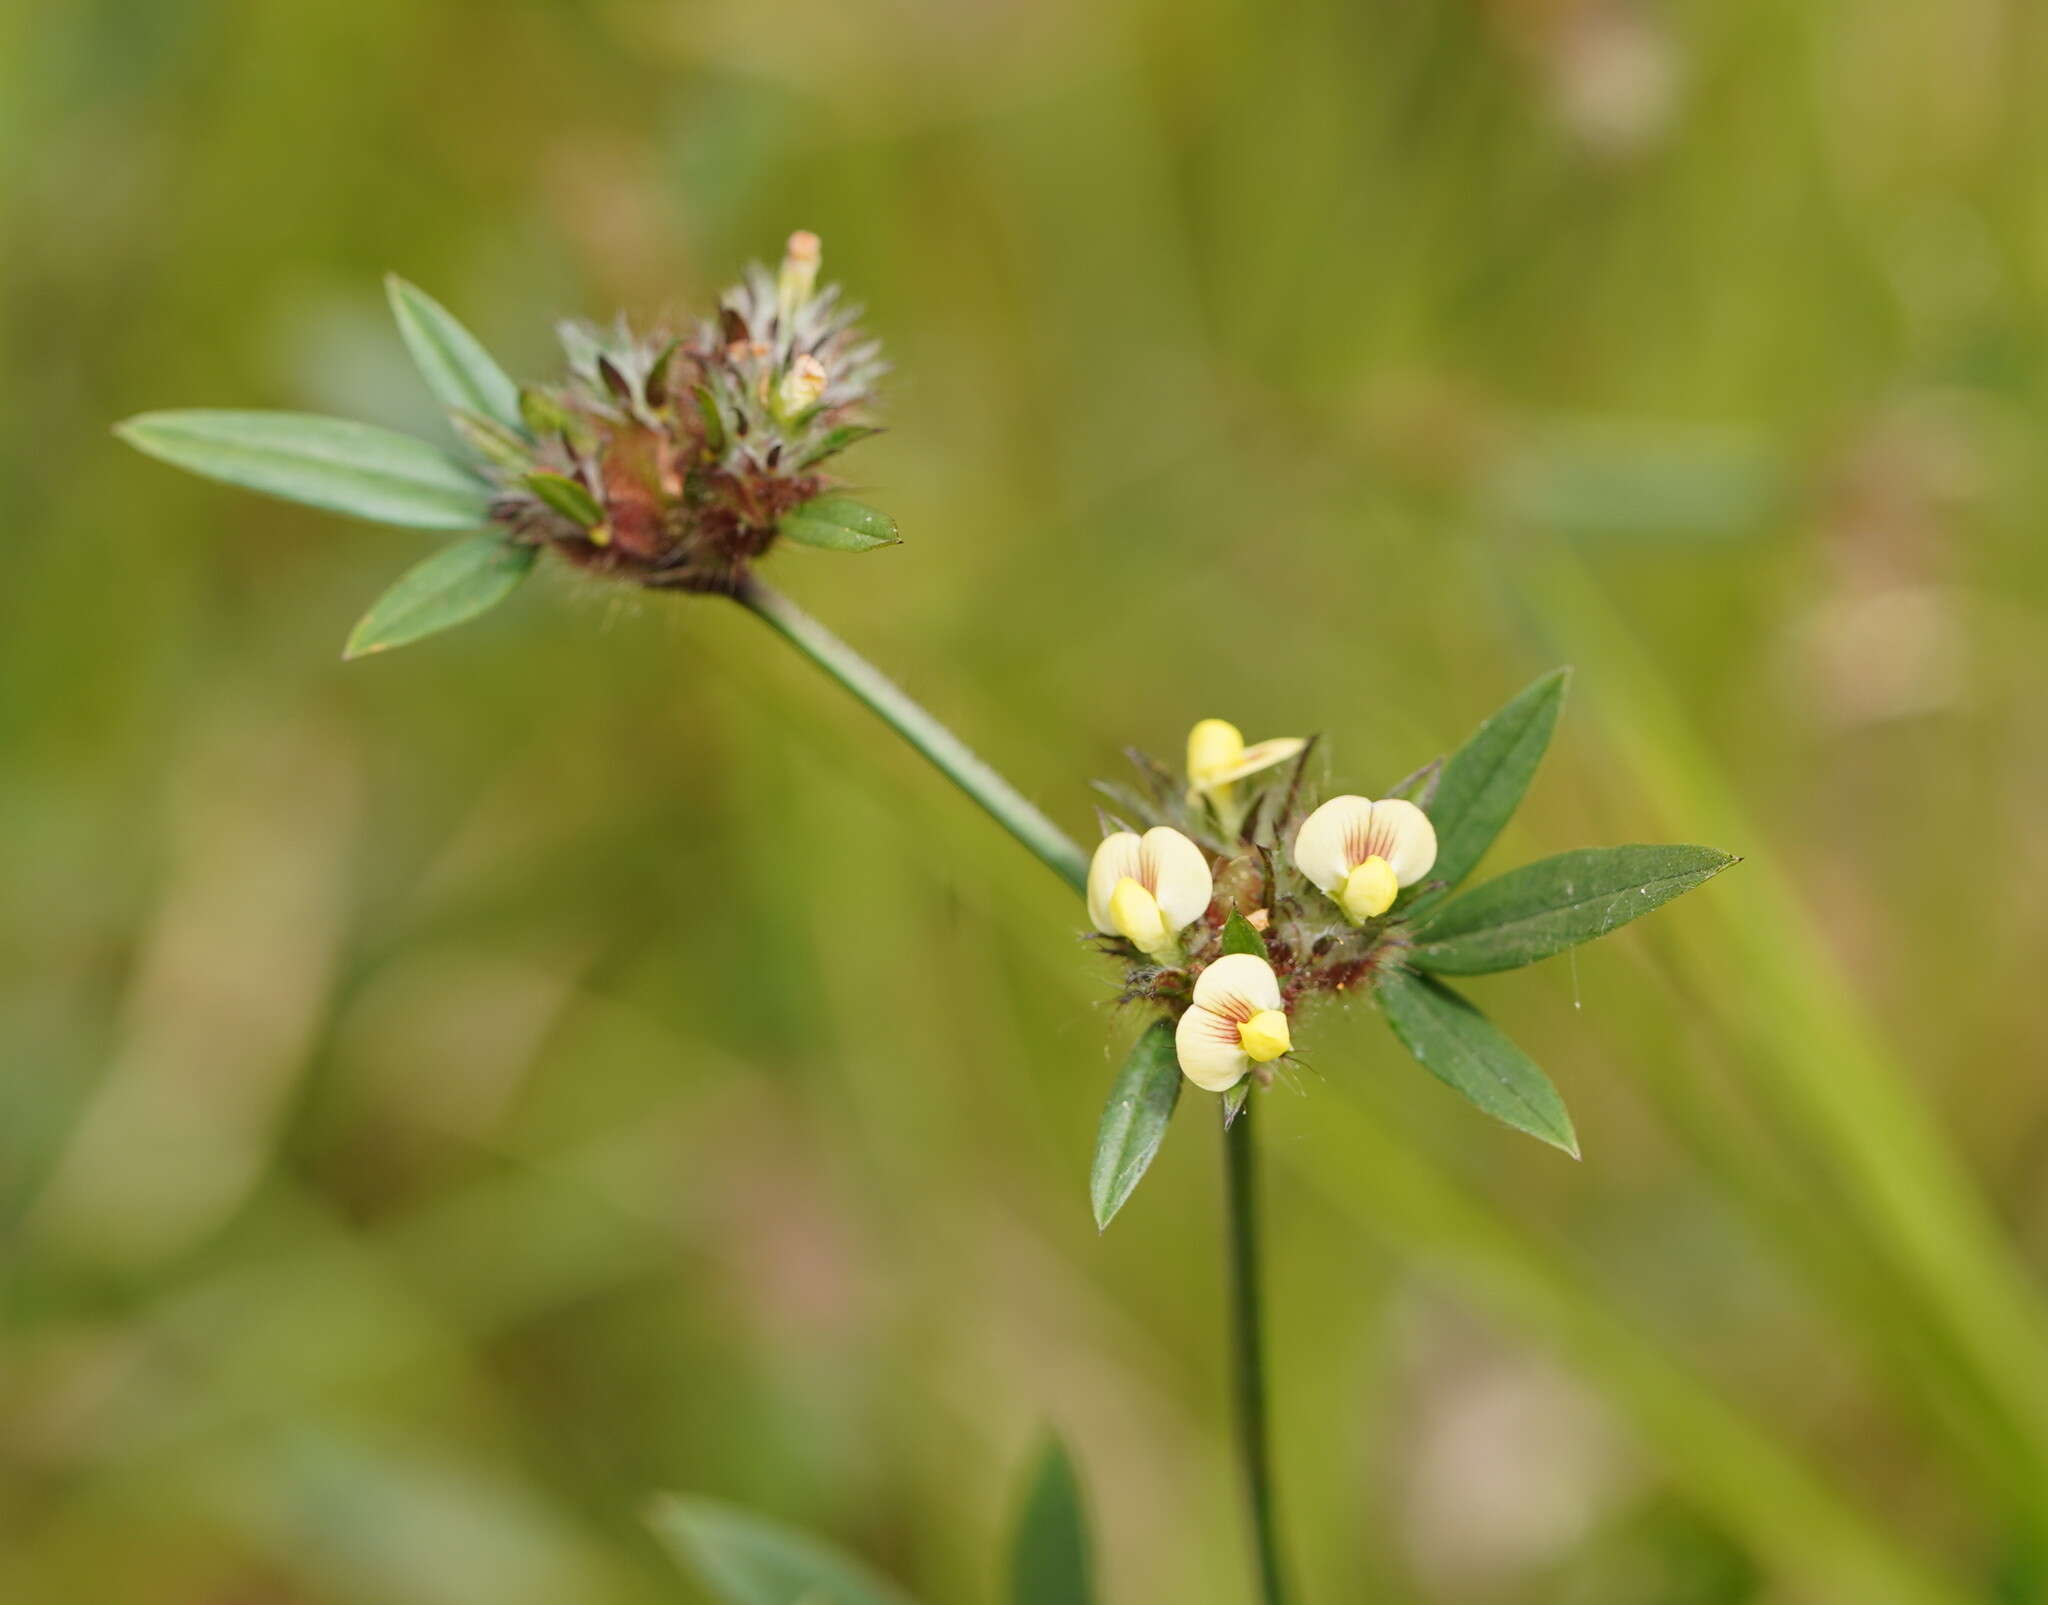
{"points": [[331, 463], [461, 373], [839, 524], [566, 496], [714, 424], [1556, 903], [1050, 1560], [1241, 936], [450, 588], [1134, 1121], [1463, 1049], [1483, 782], [1233, 1101], [746, 1560], [835, 441]]}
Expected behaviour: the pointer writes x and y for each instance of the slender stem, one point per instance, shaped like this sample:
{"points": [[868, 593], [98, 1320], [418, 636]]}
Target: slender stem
{"points": [[1005, 804], [1052, 847], [1248, 1359]]}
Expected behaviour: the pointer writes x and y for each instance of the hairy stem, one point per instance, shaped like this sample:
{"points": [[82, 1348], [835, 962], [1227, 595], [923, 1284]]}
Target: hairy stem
{"points": [[1053, 848]]}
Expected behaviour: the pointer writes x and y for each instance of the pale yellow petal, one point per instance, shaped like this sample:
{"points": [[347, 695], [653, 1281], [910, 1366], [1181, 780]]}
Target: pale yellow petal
{"points": [[1260, 755], [1330, 843], [1115, 857], [1134, 915], [1214, 745], [1239, 984], [1211, 1056], [1404, 837], [1176, 872]]}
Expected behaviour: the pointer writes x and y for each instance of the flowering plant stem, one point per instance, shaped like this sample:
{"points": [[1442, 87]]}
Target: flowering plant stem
{"points": [[1053, 848]]}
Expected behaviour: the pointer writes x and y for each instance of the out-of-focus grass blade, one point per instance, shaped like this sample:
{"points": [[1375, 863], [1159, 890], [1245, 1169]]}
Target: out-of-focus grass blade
{"points": [[1134, 1120], [747, 1560], [1483, 781], [1463, 1049], [1767, 1496], [463, 376], [344, 467], [1050, 1562], [449, 588], [1555, 903]]}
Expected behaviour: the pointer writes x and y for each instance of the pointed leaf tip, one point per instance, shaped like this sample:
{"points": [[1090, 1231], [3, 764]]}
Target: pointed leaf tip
{"points": [[1463, 1049], [840, 524], [745, 1559], [1051, 1560], [455, 585], [463, 376], [1141, 1103]]}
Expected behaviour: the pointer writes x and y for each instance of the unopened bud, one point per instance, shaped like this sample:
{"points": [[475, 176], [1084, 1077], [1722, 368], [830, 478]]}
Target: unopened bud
{"points": [[799, 276], [803, 384]]}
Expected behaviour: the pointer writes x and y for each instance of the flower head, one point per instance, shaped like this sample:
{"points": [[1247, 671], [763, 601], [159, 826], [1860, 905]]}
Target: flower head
{"points": [[673, 459], [1146, 888], [1235, 1021], [1361, 853]]}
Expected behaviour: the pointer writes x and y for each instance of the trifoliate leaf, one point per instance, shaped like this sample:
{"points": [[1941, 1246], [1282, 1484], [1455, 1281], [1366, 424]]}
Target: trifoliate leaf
{"points": [[1463, 1049], [1050, 1563], [1483, 781], [1241, 936], [330, 463], [566, 496], [840, 524], [463, 376], [744, 1559], [1134, 1121], [1555, 903], [449, 588]]}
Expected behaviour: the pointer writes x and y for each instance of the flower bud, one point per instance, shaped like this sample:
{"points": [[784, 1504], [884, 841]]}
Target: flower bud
{"points": [[799, 275], [803, 384]]}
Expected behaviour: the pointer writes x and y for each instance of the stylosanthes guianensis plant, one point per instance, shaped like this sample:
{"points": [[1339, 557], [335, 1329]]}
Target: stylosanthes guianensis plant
{"points": [[1234, 896]]}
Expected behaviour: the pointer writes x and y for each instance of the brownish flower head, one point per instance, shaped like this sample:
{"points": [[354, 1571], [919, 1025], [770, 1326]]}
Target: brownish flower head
{"points": [[671, 460]]}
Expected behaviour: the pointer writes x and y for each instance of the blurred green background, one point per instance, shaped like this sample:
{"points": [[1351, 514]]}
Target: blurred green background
{"points": [[449, 1098]]}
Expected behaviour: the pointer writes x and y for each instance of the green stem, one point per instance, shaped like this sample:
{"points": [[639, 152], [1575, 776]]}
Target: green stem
{"points": [[1248, 1362], [952, 756], [1051, 846]]}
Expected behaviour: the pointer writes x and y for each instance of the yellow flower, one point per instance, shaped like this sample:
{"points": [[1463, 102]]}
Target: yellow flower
{"points": [[1218, 759], [1362, 853], [1235, 1021], [1146, 888]]}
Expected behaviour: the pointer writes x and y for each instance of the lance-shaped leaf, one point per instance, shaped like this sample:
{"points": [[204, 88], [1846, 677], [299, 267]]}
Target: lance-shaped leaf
{"points": [[566, 496], [1463, 1049], [840, 524], [450, 588], [331, 463], [463, 376], [1482, 783], [1050, 1561], [745, 1560], [1134, 1120], [1556, 903]]}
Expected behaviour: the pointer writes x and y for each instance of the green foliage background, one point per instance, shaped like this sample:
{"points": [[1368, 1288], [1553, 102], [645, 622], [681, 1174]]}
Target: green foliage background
{"points": [[447, 1098]]}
